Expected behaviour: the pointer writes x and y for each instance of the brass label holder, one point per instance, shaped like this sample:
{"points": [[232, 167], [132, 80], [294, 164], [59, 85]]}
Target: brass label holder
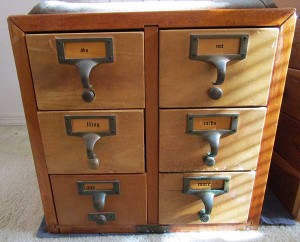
{"points": [[99, 190], [219, 60], [91, 132], [217, 186], [218, 126], [85, 62]]}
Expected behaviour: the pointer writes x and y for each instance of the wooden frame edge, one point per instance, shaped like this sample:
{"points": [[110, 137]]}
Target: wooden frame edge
{"points": [[152, 127], [30, 108], [268, 17], [285, 39]]}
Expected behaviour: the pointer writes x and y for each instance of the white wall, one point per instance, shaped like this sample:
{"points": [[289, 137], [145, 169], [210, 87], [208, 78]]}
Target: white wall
{"points": [[11, 109]]}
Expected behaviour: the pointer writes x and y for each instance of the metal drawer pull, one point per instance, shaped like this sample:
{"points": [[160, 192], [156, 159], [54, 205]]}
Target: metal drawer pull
{"points": [[219, 56], [85, 54], [101, 218], [99, 190], [212, 127], [90, 141], [91, 129], [206, 188]]}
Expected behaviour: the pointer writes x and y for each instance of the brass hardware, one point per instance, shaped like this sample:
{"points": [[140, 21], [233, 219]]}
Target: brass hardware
{"points": [[155, 229], [83, 64], [218, 60], [91, 137], [206, 195], [99, 194], [102, 218], [212, 136]]}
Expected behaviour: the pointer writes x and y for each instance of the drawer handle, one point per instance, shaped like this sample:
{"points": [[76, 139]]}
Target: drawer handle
{"points": [[90, 141], [205, 188], [213, 138], [85, 54], [212, 127], [91, 129], [85, 67], [99, 191], [216, 55], [101, 218]]}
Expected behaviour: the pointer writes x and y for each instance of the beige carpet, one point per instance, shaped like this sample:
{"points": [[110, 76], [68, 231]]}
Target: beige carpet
{"points": [[21, 211]]}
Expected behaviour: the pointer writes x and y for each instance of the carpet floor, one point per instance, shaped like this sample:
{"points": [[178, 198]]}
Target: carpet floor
{"points": [[21, 210]]}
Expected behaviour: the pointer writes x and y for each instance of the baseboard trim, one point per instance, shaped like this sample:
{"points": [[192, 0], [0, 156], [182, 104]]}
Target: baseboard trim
{"points": [[12, 119]]}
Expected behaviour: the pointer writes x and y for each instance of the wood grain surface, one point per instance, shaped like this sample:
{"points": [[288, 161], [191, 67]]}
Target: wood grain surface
{"points": [[181, 152], [169, 19], [73, 208], [175, 207], [117, 85], [151, 122], [185, 83], [295, 55], [30, 109], [120, 153], [291, 96], [287, 143], [285, 40]]}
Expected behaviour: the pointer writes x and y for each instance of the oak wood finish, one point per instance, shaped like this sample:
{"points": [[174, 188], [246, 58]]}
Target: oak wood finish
{"points": [[282, 18], [175, 207], [287, 143], [151, 116], [284, 45], [295, 56], [284, 180], [120, 153], [169, 19], [238, 151], [185, 82], [117, 85], [30, 109], [291, 96], [73, 208]]}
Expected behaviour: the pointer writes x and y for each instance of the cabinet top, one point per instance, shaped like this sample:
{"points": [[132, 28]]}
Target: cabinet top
{"points": [[98, 6]]}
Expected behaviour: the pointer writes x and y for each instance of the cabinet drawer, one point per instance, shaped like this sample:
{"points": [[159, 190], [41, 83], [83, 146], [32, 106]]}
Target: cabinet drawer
{"points": [[73, 141], [78, 200], [117, 79], [181, 197], [187, 71], [238, 147]]}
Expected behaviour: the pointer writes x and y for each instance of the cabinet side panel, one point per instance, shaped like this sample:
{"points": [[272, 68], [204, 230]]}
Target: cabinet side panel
{"points": [[274, 102], [30, 109]]}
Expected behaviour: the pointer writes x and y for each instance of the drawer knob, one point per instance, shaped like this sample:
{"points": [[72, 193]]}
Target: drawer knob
{"points": [[215, 93], [99, 200], [90, 141], [88, 96]]}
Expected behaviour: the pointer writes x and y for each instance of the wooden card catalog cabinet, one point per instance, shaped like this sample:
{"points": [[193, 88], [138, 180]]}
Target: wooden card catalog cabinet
{"points": [[152, 122]]}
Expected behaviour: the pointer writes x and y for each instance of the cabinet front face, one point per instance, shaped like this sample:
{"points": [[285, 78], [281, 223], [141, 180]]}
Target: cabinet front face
{"points": [[210, 139], [87, 71], [93, 141], [196, 198], [100, 201], [216, 68]]}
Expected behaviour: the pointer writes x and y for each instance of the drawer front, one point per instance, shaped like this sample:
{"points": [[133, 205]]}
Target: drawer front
{"points": [[78, 200], [73, 141], [189, 61], [237, 147], [178, 204], [116, 77]]}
